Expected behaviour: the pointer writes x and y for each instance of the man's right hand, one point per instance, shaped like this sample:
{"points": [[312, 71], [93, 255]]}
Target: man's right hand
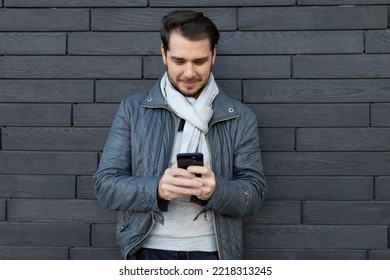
{"points": [[177, 182]]}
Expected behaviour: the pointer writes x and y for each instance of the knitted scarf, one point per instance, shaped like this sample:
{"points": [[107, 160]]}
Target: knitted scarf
{"points": [[196, 112]]}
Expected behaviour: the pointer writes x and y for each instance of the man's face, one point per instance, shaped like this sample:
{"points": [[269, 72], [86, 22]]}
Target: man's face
{"points": [[188, 64]]}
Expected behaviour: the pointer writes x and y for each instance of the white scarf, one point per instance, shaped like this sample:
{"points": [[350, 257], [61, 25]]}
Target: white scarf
{"points": [[196, 114]]}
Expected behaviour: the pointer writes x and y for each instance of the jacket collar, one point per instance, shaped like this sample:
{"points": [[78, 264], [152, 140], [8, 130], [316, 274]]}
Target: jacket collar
{"points": [[223, 106]]}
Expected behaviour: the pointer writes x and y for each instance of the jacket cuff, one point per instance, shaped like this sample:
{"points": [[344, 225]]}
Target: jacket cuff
{"points": [[162, 204], [198, 201]]}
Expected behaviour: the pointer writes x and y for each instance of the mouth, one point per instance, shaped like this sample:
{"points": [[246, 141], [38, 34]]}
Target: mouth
{"points": [[189, 83]]}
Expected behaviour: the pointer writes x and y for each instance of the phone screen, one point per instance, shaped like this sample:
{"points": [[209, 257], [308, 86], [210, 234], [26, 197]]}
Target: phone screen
{"points": [[186, 159]]}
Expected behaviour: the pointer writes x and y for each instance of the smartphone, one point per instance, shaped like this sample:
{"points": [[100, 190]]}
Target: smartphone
{"points": [[186, 159]]}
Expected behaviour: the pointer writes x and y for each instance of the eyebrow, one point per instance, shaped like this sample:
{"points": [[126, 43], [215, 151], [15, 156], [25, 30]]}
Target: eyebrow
{"points": [[200, 59]]}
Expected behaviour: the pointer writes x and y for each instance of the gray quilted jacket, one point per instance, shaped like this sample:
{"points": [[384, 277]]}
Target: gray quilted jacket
{"points": [[138, 151]]}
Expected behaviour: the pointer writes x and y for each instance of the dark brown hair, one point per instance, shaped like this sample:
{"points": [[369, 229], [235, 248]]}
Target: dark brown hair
{"points": [[191, 25]]}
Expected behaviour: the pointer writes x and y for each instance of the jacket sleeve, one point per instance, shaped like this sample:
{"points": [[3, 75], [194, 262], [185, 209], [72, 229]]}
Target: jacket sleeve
{"points": [[115, 187], [244, 193]]}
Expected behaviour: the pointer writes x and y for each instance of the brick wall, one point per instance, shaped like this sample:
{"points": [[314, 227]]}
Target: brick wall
{"points": [[316, 72]]}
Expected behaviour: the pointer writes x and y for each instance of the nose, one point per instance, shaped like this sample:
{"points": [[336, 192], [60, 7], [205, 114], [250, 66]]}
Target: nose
{"points": [[189, 71]]}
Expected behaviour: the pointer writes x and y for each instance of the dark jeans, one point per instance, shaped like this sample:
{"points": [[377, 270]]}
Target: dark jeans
{"points": [[153, 254]]}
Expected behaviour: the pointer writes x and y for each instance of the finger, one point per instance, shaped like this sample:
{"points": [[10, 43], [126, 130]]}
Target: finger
{"points": [[175, 191], [180, 181], [198, 170], [180, 172]]}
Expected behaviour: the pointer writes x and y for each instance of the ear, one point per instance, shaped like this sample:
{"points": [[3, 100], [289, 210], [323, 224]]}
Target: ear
{"points": [[163, 54], [214, 55]]}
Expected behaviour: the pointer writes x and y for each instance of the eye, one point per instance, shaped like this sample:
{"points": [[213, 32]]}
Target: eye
{"points": [[200, 61], [179, 62]]}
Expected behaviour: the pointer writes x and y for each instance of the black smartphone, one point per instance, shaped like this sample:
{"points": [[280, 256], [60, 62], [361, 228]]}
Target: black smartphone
{"points": [[186, 159]]}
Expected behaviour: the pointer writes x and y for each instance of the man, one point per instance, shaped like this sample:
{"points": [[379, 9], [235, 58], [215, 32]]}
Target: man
{"points": [[168, 212]]}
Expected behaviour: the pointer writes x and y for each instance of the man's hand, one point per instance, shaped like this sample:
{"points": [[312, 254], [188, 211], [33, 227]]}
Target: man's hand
{"points": [[177, 182], [207, 179]]}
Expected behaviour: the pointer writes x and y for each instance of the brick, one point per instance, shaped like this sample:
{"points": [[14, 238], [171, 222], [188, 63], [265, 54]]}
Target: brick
{"points": [[315, 237], [85, 187], [326, 163], [312, 18], [328, 188], [76, 3], [40, 234], [301, 42], [342, 66], [276, 212], [232, 88], [117, 43], [343, 139], [379, 255], [33, 253], [94, 114], [58, 210], [90, 253], [256, 67], [382, 188], [116, 90], [378, 41], [47, 163], [277, 139], [295, 254], [35, 115], [103, 235], [346, 213], [316, 91], [57, 91], [312, 115], [56, 139], [44, 20], [37, 186], [68, 67], [32, 43], [150, 19], [380, 114], [211, 3], [153, 67]]}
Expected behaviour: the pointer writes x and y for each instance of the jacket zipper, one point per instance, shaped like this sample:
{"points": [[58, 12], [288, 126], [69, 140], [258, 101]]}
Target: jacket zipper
{"points": [[216, 236]]}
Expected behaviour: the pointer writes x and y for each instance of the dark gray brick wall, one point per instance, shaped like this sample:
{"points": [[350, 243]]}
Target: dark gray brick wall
{"points": [[315, 72]]}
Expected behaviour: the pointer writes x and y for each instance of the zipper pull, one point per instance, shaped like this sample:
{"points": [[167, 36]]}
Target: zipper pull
{"points": [[246, 199], [206, 216]]}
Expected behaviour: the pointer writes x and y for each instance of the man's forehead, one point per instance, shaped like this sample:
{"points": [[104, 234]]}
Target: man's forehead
{"points": [[178, 40]]}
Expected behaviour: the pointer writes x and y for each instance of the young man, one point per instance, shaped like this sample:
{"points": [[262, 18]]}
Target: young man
{"points": [[168, 212]]}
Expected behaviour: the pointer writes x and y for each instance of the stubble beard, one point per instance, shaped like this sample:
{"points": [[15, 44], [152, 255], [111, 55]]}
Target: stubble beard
{"points": [[196, 94]]}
